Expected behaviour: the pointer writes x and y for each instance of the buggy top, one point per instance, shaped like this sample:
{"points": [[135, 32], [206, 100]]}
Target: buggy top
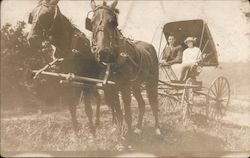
{"points": [[195, 28]]}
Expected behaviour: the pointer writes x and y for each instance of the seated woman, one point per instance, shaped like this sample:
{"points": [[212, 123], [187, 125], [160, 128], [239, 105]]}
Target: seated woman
{"points": [[172, 53], [191, 57]]}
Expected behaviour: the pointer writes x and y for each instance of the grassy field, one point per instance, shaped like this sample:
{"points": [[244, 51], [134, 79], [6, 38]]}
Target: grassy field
{"points": [[50, 130], [53, 132]]}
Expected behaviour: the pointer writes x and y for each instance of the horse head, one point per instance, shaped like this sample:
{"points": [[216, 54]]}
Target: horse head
{"points": [[42, 18], [104, 28]]}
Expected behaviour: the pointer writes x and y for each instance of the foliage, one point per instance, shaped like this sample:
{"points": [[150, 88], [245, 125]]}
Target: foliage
{"points": [[17, 62]]}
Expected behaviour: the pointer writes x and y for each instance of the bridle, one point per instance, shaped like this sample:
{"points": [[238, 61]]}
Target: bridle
{"points": [[101, 28], [46, 32]]}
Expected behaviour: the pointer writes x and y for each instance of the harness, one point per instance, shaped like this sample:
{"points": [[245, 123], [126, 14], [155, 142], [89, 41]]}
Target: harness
{"points": [[131, 60]]}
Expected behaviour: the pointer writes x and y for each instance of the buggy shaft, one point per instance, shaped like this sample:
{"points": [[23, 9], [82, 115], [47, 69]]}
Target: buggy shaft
{"points": [[73, 77]]}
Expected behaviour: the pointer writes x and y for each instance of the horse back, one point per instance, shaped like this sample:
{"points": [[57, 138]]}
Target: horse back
{"points": [[147, 59]]}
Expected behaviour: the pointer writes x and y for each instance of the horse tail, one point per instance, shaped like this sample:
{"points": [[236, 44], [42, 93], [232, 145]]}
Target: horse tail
{"points": [[152, 82], [152, 93], [152, 88]]}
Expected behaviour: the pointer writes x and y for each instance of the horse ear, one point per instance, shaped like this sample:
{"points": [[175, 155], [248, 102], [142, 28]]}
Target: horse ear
{"points": [[114, 4], [53, 2], [104, 3], [92, 4]]}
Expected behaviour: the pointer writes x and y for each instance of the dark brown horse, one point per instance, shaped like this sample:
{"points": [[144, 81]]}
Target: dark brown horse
{"points": [[133, 63], [48, 23]]}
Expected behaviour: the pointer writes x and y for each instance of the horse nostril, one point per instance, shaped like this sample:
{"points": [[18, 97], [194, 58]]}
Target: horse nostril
{"points": [[94, 49], [97, 56]]}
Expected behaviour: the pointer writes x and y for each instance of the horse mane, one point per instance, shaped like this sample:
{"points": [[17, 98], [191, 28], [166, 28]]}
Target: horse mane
{"points": [[69, 22]]}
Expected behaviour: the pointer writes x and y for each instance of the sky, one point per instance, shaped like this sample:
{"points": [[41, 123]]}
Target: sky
{"points": [[143, 20]]}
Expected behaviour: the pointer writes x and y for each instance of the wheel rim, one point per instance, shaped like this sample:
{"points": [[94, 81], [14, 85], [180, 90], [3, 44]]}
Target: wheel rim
{"points": [[218, 97], [167, 103]]}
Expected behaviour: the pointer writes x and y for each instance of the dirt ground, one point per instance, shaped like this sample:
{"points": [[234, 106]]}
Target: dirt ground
{"points": [[50, 131]]}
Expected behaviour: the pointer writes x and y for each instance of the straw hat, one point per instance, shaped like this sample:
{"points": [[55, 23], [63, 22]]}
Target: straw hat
{"points": [[192, 39]]}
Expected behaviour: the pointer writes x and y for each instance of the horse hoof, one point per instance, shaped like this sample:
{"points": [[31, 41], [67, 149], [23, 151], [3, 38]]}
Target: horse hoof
{"points": [[91, 139], [158, 132], [76, 127], [97, 123], [130, 147], [93, 131], [138, 131], [120, 147], [113, 129]]}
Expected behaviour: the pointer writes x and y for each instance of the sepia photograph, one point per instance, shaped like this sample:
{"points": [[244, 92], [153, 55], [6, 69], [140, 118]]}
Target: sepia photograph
{"points": [[125, 78]]}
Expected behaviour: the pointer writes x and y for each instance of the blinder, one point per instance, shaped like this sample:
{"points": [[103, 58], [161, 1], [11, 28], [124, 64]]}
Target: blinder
{"points": [[88, 24], [30, 19]]}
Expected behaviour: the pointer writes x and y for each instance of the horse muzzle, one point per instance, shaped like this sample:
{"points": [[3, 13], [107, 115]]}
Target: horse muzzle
{"points": [[34, 41]]}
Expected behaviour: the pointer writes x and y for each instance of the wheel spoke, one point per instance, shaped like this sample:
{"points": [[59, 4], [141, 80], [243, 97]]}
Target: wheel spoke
{"points": [[213, 112], [214, 93], [222, 86], [224, 91], [217, 85]]}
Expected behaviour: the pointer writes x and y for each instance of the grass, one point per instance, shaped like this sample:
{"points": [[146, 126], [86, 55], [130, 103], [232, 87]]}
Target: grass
{"points": [[52, 129], [54, 132]]}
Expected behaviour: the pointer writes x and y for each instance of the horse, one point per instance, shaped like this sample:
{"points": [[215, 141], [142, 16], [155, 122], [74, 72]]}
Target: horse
{"points": [[133, 64], [48, 23]]}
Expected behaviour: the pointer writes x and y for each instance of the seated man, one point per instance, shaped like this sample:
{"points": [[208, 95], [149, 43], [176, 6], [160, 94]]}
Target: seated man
{"points": [[191, 57], [172, 53]]}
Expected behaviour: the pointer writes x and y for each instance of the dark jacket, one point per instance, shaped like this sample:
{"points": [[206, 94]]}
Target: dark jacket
{"points": [[173, 55]]}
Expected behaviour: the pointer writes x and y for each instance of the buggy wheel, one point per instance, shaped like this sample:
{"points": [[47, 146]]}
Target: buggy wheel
{"points": [[187, 99], [167, 103], [217, 98]]}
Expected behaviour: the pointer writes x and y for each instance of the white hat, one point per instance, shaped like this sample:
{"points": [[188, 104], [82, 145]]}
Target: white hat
{"points": [[192, 39]]}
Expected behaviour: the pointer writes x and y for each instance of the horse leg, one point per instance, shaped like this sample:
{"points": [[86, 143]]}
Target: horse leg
{"points": [[72, 109], [126, 97], [141, 104], [153, 101], [98, 103], [89, 111], [112, 99], [114, 117], [117, 107]]}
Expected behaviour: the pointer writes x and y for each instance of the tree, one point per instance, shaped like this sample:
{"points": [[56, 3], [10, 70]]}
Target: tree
{"points": [[18, 89]]}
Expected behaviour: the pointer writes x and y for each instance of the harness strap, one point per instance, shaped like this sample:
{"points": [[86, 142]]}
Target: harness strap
{"points": [[138, 66]]}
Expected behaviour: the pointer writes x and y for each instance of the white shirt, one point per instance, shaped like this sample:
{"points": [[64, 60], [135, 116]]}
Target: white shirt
{"points": [[191, 55]]}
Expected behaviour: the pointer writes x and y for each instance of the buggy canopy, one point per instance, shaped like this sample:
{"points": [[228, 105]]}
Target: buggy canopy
{"points": [[195, 28]]}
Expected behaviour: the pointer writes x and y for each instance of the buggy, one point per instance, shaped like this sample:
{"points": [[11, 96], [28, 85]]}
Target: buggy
{"points": [[189, 93]]}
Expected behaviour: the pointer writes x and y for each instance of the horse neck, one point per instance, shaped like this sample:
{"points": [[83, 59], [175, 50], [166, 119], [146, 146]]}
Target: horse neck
{"points": [[63, 32]]}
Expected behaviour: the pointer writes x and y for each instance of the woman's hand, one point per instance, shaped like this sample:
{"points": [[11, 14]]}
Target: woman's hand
{"points": [[164, 63]]}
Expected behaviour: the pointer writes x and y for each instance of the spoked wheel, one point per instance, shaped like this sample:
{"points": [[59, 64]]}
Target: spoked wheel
{"points": [[187, 99], [167, 102], [217, 98]]}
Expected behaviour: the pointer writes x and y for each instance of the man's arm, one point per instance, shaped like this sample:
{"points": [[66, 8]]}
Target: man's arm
{"points": [[164, 55], [178, 58]]}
